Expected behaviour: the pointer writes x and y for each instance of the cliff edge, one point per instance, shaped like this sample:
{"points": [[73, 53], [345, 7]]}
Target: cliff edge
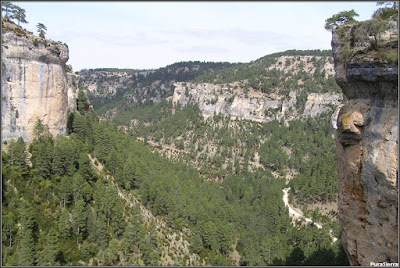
{"points": [[366, 68], [34, 83]]}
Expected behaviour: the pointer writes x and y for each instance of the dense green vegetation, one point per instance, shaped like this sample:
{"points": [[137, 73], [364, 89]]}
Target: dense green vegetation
{"points": [[260, 76], [144, 88], [60, 212], [143, 84], [147, 114], [213, 143]]}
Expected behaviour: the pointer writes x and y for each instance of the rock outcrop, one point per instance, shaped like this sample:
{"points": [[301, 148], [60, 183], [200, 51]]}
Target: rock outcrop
{"points": [[34, 83], [230, 100], [367, 143]]}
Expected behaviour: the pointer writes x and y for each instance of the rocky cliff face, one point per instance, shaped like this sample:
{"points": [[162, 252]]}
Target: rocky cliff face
{"points": [[138, 87], [367, 144], [35, 83], [231, 100]]}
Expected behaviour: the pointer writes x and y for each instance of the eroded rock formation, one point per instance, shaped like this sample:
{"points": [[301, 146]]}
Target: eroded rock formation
{"points": [[34, 83], [254, 106], [367, 144]]}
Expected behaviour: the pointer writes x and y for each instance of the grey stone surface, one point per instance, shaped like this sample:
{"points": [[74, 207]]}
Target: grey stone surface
{"points": [[34, 84], [367, 147]]}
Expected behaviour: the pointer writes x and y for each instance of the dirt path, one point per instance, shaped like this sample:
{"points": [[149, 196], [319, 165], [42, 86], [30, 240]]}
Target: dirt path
{"points": [[297, 215]]}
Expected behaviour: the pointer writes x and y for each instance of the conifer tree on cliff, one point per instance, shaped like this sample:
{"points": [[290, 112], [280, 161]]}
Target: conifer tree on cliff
{"points": [[41, 28], [389, 10], [18, 13], [340, 19], [7, 7]]}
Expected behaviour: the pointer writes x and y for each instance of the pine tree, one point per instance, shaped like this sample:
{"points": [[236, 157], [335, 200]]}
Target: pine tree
{"points": [[26, 248], [65, 191], [8, 228], [18, 14], [26, 245], [85, 167], [129, 238], [48, 256], [100, 231], [77, 187], [7, 7], [197, 243], [82, 102], [41, 28], [18, 155], [64, 225], [79, 214]]}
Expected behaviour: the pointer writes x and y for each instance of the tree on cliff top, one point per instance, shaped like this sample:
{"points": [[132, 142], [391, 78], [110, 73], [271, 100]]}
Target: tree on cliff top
{"points": [[41, 28], [388, 11], [18, 14], [340, 19], [7, 7]]}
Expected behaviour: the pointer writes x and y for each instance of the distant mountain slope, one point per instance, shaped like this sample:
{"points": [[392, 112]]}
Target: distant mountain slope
{"points": [[284, 69], [291, 78], [108, 86]]}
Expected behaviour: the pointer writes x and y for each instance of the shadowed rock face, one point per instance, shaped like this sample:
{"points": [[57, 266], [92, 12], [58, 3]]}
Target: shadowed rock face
{"points": [[367, 146], [34, 83]]}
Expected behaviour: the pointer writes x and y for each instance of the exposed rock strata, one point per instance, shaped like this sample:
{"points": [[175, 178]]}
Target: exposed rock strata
{"points": [[34, 83], [256, 106], [367, 146]]}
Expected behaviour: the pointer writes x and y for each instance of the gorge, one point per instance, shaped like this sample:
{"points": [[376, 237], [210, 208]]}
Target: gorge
{"points": [[201, 163]]}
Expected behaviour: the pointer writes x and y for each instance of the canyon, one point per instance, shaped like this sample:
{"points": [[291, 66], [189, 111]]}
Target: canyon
{"points": [[37, 84]]}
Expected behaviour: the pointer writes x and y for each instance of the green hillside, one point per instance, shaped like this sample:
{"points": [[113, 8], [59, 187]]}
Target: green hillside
{"points": [[71, 216]]}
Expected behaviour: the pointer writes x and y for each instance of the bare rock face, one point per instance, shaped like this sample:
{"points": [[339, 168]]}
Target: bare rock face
{"points": [[255, 106], [367, 144], [34, 83]]}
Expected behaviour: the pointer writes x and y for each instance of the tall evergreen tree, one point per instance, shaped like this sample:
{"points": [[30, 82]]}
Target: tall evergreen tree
{"points": [[18, 155], [82, 102], [7, 7], [26, 245], [41, 28], [18, 13], [49, 254], [79, 214]]}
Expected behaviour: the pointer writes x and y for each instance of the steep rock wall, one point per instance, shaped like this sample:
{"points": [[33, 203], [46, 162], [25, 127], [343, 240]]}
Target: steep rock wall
{"points": [[34, 83], [367, 145], [254, 105]]}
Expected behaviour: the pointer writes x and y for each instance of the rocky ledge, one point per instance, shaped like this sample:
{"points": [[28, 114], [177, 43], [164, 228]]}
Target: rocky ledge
{"points": [[367, 142]]}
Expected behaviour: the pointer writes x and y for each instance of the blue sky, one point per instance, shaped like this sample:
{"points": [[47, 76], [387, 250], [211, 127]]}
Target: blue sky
{"points": [[144, 35]]}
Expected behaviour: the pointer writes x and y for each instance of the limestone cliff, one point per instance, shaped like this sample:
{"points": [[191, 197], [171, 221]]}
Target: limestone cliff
{"points": [[34, 83], [367, 142], [231, 100]]}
